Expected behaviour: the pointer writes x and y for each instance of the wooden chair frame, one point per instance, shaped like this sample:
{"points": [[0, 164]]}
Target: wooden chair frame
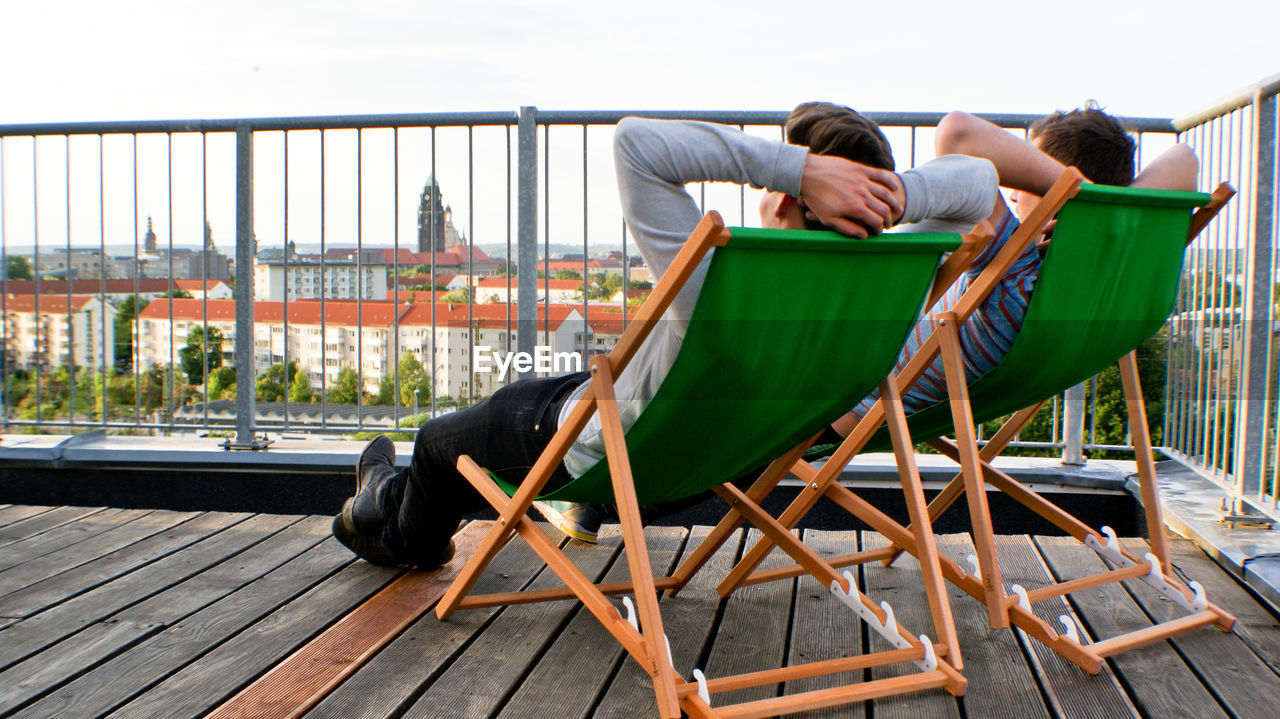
{"points": [[983, 579], [644, 639]]}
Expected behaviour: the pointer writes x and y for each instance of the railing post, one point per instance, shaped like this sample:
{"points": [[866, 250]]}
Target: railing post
{"points": [[1251, 408], [1073, 426], [527, 230], [244, 346]]}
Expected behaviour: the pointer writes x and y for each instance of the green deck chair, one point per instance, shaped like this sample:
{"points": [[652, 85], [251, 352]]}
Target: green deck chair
{"points": [[1108, 282], [759, 371]]}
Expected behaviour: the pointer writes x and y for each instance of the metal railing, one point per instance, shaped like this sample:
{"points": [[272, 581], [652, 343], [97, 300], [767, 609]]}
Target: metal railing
{"points": [[1222, 395], [529, 179]]}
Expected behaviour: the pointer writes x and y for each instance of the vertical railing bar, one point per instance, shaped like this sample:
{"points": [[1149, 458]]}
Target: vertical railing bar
{"points": [[913, 145], [432, 250], [245, 339], [5, 399], [359, 279], [1218, 297], [473, 325], [1228, 236], [137, 299], [71, 334], [1202, 404], [1206, 313], [507, 135], [586, 325], [102, 282], [204, 227], [546, 235], [395, 278], [324, 331], [284, 304], [170, 371], [1254, 371], [527, 228], [626, 277], [1093, 410], [35, 269]]}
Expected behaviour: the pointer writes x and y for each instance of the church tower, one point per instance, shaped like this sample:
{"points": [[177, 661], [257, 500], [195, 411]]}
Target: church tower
{"points": [[431, 218], [149, 240]]}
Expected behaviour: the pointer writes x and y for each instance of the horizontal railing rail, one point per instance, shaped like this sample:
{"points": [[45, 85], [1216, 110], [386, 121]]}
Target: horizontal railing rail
{"points": [[530, 180]]}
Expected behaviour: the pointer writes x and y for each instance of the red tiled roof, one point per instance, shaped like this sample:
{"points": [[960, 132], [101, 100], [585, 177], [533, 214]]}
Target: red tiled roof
{"points": [[53, 304], [87, 287]]}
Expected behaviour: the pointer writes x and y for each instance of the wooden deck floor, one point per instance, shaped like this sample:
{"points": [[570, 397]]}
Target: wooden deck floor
{"points": [[133, 613]]}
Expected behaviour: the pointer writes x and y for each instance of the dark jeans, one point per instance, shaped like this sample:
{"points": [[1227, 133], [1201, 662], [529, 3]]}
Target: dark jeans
{"points": [[505, 434]]}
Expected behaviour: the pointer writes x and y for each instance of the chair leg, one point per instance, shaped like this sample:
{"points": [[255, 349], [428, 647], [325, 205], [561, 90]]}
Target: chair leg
{"points": [[1138, 429], [970, 464]]}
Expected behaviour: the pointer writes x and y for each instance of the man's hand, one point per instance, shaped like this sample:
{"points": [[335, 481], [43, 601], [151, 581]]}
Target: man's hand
{"points": [[853, 199]]}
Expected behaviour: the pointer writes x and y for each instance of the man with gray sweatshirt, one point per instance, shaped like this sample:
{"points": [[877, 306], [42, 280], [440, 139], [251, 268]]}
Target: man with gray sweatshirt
{"points": [[408, 516]]}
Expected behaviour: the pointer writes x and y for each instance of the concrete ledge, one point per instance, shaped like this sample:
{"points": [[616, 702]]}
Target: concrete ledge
{"points": [[1192, 507]]}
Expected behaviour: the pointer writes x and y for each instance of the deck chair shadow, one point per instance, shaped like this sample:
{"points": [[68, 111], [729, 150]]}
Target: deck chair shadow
{"points": [[1107, 283], [753, 380]]}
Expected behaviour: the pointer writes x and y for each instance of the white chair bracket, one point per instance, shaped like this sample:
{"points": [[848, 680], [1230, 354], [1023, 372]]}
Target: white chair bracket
{"points": [[1110, 550], [889, 628]]}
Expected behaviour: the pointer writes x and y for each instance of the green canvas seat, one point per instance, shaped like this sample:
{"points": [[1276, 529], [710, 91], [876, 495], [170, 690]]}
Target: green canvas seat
{"points": [[788, 330], [1108, 281]]}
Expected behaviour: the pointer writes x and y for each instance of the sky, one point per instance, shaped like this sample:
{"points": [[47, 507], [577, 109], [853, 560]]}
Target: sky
{"points": [[174, 59]]}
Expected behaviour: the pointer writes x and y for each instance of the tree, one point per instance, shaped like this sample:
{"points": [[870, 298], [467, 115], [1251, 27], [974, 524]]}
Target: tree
{"points": [[413, 376], [300, 388], [196, 354], [178, 294], [19, 268], [386, 391], [273, 385], [222, 383], [567, 275], [125, 315], [346, 388]]}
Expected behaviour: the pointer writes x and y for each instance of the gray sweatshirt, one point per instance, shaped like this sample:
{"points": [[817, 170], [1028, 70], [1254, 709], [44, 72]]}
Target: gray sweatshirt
{"points": [[654, 159]]}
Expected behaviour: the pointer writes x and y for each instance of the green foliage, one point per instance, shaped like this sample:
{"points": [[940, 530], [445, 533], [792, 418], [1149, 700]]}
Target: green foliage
{"points": [[273, 385], [222, 383], [567, 275], [195, 354], [413, 376], [178, 294], [125, 314], [300, 388], [346, 388], [461, 295], [19, 268]]}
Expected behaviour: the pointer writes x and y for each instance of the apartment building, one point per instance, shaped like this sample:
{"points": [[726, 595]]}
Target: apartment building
{"points": [[364, 336], [46, 331], [279, 275]]}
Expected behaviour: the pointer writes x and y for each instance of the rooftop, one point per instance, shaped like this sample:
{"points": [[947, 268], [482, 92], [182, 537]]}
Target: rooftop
{"points": [[155, 613]]}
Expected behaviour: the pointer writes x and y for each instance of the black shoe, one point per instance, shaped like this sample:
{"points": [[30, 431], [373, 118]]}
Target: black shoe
{"points": [[363, 523]]}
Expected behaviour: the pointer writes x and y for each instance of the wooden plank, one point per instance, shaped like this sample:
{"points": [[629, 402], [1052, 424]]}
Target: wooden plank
{"points": [[1255, 626], [1223, 661], [124, 532], [50, 591], [824, 627], [490, 669], [396, 675], [899, 585], [689, 618], [145, 664], [17, 512], [57, 664], [752, 632], [64, 534], [45, 628], [1001, 683], [581, 661], [1070, 691], [42, 522], [1159, 680], [299, 682], [218, 675]]}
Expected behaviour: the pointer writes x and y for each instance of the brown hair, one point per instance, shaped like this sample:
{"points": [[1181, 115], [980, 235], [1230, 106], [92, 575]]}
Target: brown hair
{"points": [[1090, 140], [830, 129]]}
